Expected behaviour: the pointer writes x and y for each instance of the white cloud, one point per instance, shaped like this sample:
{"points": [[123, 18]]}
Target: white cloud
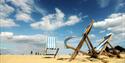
{"points": [[103, 3], [30, 38], [6, 34], [115, 23], [5, 10], [55, 21], [24, 5], [92, 36], [20, 16], [9, 36], [7, 23], [72, 20], [22, 43], [102, 31], [24, 9]]}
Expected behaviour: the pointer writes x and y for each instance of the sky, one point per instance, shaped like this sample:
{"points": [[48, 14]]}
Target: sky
{"points": [[25, 24]]}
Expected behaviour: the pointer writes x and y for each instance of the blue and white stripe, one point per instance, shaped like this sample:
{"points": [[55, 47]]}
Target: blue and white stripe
{"points": [[51, 42]]}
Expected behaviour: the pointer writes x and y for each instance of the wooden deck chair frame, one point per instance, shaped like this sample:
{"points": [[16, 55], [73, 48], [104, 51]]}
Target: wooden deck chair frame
{"points": [[57, 49], [85, 38]]}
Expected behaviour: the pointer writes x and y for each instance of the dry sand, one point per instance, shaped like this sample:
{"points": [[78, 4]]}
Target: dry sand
{"points": [[58, 59]]}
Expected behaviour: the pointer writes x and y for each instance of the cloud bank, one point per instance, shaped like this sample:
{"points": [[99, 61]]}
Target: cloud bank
{"points": [[55, 21], [9, 36], [7, 23]]}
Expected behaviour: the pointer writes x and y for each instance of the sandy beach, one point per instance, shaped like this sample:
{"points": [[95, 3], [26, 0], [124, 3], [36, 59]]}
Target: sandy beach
{"points": [[58, 59]]}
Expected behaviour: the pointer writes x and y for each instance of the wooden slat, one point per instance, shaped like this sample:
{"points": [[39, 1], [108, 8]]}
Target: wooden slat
{"points": [[81, 41], [94, 54], [77, 49]]}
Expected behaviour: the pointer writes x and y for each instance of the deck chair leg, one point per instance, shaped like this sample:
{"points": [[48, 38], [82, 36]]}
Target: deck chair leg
{"points": [[90, 42], [77, 49], [46, 51], [88, 47], [108, 54], [114, 51], [94, 54], [56, 52], [73, 56]]}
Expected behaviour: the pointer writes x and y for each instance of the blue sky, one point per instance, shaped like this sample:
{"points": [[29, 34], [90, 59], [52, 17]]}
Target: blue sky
{"points": [[25, 23]]}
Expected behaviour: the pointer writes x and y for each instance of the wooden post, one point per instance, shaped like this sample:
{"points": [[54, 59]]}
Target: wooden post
{"points": [[94, 54], [77, 49], [88, 47], [88, 29]]}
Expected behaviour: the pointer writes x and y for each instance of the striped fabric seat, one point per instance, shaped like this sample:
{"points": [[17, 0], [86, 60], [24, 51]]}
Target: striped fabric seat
{"points": [[100, 46], [51, 42]]}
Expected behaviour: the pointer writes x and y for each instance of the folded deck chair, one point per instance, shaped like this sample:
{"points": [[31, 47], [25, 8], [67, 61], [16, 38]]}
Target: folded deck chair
{"points": [[51, 45], [102, 46], [84, 39]]}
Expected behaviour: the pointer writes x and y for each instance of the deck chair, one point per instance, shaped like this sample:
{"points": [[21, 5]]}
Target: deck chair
{"points": [[93, 52], [102, 46], [85, 38], [51, 45]]}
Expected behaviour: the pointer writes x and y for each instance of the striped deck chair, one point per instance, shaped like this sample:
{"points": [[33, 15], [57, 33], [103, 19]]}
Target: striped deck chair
{"points": [[51, 45], [102, 46]]}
